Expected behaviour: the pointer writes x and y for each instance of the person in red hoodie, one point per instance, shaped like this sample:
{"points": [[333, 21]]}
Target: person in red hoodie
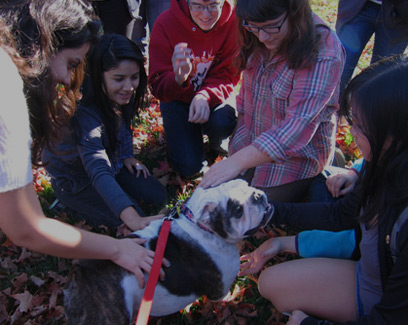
{"points": [[192, 52]]}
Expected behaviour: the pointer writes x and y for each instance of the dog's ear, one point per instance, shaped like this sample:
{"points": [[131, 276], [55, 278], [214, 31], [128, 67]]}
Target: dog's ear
{"points": [[206, 212]]}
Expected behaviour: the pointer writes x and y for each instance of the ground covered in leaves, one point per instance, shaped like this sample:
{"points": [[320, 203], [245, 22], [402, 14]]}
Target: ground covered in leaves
{"points": [[31, 283]]}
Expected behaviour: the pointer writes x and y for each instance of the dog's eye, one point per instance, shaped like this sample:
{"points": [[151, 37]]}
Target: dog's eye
{"points": [[235, 208]]}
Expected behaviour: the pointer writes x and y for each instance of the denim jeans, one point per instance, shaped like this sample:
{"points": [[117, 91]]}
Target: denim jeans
{"points": [[91, 207], [186, 151], [318, 191], [355, 35], [149, 11]]}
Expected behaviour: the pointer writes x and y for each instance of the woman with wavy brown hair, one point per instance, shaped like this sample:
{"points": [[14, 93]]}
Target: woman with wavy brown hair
{"points": [[43, 44], [285, 135]]}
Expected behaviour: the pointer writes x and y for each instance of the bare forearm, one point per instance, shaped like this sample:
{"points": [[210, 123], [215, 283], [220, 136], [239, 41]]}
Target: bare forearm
{"points": [[231, 167], [249, 157], [24, 223], [288, 244]]}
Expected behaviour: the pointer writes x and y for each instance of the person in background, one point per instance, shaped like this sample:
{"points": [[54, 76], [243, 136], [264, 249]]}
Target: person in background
{"points": [[358, 20], [288, 99], [93, 169], [117, 16], [130, 17], [192, 50], [37, 54], [149, 11], [371, 288]]}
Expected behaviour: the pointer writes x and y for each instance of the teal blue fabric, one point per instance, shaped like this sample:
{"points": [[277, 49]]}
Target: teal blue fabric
{"points": [[358, 164], [320, 243]]}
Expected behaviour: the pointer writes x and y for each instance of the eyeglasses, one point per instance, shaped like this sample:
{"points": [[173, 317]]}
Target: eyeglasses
{"points": [[216, 6], [268, 29]]}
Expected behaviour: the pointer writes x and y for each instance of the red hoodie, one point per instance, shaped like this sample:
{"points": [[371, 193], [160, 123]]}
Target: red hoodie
{"points": [[214, 72]]}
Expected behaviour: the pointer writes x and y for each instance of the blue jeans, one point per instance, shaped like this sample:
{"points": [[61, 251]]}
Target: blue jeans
{"points": [[149, 11], [356, 33], [91, 207], [185, 146], [318, 191]]}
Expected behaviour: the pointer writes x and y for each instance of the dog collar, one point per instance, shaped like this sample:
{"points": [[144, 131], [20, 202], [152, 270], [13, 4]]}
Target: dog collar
{"points": [[185, 211]]}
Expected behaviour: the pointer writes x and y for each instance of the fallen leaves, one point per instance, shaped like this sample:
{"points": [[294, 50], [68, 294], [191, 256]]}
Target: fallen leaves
{"points": [[31, 283], [29, 293]]}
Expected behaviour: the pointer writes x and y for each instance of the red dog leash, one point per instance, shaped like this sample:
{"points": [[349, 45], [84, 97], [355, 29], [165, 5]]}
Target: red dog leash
{"points": [[147, 301]]}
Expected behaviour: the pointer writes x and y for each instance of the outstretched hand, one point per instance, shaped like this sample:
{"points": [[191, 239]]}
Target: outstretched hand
{"points": [[253, 262]]}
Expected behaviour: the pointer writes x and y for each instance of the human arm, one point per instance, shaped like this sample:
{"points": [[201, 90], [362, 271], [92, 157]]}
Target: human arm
{"points": [[309, 243], [303, 118], [182, 63], [125, 148], [254, 261], [218, 57], [336, 216], [231, 167], [331, 244], [161, 77], [91, 144], [23, 221], [341, 183], [132, 165]]}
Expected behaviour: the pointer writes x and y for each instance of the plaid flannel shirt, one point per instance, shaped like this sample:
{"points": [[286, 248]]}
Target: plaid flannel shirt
{"points": [[290, 114]]}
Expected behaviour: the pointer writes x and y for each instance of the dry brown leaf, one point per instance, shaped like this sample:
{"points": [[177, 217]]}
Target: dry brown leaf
{"points": [[25, 254], [8, 264], [37, 281], [25, 301], [55, 291], [19, 282]]}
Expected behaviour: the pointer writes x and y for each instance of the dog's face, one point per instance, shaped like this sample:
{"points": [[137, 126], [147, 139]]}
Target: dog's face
{"points": [[233, 210]]}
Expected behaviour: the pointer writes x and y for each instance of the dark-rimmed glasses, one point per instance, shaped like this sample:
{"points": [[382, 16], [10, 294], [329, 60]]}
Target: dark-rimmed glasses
{"points": [[216, 6], [268, 29]]}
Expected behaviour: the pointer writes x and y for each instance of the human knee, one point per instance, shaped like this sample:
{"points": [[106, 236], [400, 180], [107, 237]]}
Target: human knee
{"points": [[267, 283], [223, 121], [157, 195], [270, 286]]}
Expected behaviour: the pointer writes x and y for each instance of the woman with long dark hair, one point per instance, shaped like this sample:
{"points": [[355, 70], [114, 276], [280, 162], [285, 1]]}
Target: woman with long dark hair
{"points": [[93, 169], [372, 288]]}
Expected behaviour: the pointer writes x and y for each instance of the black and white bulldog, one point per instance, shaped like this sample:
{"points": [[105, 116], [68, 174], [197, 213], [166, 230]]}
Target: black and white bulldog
{"points": [[201, 248]]}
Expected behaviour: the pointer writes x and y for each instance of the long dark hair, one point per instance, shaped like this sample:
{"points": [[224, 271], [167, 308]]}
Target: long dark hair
{"points": [[107, 55], [378, 99], [35, 31], [300, 48]]}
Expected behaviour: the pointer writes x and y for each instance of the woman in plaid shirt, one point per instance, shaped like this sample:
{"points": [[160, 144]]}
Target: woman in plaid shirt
{"points": [[292, 66]]}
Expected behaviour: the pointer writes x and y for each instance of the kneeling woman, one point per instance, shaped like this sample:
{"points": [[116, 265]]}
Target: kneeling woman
{"points": [[93, 168]]}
